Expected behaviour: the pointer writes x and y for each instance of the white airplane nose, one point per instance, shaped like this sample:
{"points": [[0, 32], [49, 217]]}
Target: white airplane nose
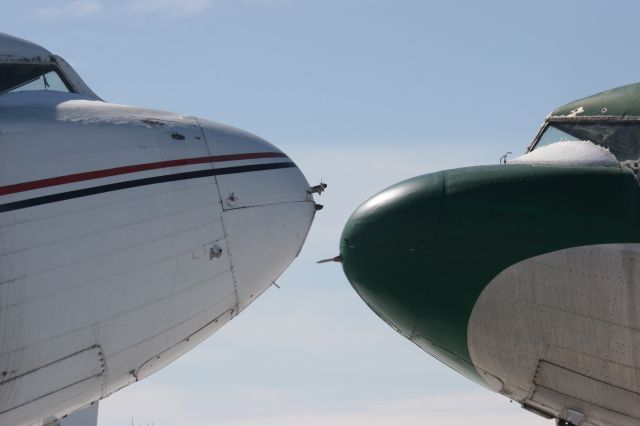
{"points": [[267, 208], [263, 241]]}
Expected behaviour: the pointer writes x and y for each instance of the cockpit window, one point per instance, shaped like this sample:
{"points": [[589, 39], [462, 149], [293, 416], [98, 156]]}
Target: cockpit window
{"points": [[622, 138], [22, 77]]}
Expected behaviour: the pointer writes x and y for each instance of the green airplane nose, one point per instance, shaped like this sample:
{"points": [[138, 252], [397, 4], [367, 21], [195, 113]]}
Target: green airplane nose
{"points": [[420, 252], [388, 248]]}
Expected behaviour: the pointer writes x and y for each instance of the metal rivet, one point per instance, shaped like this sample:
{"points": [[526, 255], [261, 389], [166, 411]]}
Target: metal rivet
{"points": [[231, 199], [215, 252]]}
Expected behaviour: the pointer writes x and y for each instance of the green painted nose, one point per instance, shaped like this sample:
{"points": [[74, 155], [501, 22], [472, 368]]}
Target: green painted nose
{"points": [[420, 252], [388, 247]]}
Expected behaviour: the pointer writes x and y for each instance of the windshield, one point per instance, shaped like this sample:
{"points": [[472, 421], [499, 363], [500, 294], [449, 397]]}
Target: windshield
{"points": [[622, 138], [21, 77]]}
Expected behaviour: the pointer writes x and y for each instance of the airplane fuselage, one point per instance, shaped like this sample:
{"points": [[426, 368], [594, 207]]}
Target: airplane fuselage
{"points": [[127, 236], [523, 276]]}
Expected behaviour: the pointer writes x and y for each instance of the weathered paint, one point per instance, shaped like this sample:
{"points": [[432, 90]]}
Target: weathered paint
{"points": [[562, 330], [622, 101]]}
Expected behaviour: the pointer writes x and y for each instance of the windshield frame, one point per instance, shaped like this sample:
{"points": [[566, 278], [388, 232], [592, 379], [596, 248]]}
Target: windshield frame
{"points": [[39, 70], [550, 120]]}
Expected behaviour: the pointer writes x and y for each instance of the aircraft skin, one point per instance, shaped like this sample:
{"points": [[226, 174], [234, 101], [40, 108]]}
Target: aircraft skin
{"points": [[523, 277], [127, 237]]}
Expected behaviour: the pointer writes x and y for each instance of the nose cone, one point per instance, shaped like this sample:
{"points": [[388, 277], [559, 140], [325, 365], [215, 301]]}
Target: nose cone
{"points": [[388, 245], [393, 256], [267, 209]]}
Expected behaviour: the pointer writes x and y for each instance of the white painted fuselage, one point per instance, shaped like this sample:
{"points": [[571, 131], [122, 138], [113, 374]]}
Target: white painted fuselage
{"points": [[127, 236]]}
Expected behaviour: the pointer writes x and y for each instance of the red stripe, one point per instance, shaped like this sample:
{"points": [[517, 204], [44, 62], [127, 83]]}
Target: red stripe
{"points": [[79, 177]]}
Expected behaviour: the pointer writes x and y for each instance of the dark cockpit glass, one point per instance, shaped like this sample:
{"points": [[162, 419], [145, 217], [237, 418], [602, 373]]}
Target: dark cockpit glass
{"points": [[22, 77], [622, 138]]}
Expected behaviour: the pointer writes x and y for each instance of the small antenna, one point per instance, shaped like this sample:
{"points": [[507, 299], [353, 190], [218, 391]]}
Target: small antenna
{"points": [[317, 189], [338, 259], [503, 159]]}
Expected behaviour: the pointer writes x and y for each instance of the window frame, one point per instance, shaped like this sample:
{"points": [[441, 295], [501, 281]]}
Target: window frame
{"points": [[550, 120], [46, 68]]}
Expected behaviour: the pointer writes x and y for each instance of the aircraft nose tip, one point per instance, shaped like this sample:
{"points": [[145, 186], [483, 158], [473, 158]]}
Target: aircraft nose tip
{"points": [[386, 240], [267, 211]]}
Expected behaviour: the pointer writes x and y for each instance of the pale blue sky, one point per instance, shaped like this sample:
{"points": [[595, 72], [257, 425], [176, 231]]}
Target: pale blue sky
{"points": [[361, 94]]}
